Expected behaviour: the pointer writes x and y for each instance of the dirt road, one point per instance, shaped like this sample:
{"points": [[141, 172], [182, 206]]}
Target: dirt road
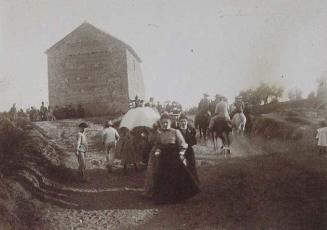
{"points": [[252, 189]]}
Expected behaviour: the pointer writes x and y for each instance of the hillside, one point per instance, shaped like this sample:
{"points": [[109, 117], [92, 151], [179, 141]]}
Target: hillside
{"points": [[275, 179]]}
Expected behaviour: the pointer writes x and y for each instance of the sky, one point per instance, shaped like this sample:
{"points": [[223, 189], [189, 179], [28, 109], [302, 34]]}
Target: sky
{"points": [[187, 47]]}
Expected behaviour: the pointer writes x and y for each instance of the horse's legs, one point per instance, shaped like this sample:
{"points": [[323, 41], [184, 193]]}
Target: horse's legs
{"points": [[226, 143], [213, 140]]}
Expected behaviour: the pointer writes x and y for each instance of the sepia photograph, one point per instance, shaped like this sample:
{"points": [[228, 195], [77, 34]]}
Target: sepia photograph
{"points": [[163, 115]]}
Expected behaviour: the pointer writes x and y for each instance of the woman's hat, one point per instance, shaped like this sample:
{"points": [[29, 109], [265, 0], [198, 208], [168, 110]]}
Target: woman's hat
{"points": [[83, 125], [182, 116], [164, 116]]}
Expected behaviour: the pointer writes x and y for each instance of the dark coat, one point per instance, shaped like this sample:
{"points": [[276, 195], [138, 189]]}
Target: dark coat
{"points": [[189, 135], [190, 139]]}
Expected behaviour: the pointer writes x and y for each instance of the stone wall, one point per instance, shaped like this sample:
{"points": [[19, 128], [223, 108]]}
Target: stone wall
{"points": [[95, 69], [93, 79], [135, 78]]}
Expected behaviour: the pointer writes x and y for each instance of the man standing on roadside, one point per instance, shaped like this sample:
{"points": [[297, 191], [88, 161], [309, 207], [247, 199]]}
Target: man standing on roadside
{"points": [[81, 150], [13, 112], [110, 137]]}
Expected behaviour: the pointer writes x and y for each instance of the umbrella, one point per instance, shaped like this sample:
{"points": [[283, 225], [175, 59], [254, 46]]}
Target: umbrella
{"points": [[141, 116]]}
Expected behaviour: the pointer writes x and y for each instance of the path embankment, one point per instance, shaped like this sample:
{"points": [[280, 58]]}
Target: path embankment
{"points": [[275, 179]]}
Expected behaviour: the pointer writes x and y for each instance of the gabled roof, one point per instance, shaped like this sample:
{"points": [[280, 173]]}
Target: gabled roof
{"points": [[87, 26]]}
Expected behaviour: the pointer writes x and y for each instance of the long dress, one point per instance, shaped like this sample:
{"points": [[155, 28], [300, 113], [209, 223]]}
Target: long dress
{"points": [[173, 182], [189, 136]]}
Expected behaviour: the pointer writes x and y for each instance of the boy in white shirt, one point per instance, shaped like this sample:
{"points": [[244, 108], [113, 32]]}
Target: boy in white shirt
{"points": [[81, 150]]}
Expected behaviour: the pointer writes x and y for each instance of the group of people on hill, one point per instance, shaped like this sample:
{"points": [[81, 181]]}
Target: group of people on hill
{"points": [[45, 113], [168, 106], [219, 107], [210, 106], [168, 153], [216, 117]]}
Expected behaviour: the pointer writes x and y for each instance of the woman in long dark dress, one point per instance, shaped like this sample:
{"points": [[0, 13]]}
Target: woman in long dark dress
{"points": [[189, 133], [173, 182]]}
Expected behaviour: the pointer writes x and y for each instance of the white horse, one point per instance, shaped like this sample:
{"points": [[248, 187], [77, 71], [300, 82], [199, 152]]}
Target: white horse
{"points": [[238, 123]]}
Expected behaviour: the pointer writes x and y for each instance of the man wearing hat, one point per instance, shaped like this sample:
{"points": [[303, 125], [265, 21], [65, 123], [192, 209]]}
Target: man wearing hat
{"points": [[81, 150], [110, 137], [204, 104], [221, 121], [238, 106]]}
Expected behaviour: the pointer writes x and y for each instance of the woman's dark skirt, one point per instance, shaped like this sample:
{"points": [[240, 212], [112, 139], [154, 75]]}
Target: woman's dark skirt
{"points": [[191, 164], [173, 182]]}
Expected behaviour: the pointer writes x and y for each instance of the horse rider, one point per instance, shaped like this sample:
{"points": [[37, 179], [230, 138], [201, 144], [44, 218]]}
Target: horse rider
{"points": [[238, 106], [221, 109], [222, 118], [204, 104]]}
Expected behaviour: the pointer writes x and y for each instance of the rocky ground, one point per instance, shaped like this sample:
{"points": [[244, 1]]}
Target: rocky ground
{"points": [[273, 180]]}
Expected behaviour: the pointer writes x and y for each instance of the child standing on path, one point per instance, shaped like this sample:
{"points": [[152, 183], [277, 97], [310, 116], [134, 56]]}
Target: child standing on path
{"points": [[81, 151]]}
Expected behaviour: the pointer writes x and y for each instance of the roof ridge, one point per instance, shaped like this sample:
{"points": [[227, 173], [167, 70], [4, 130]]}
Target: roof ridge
{"points": [[84, 24]]}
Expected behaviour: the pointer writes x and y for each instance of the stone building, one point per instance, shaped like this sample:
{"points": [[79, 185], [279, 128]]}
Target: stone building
{"points": [[94, 69]]}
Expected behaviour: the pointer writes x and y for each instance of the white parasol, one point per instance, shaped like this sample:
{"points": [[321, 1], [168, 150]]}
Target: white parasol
{"points": [[141, 116]]}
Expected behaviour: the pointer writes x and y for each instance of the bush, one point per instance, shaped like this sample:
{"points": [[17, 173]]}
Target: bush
{"points": [[11, 133]]}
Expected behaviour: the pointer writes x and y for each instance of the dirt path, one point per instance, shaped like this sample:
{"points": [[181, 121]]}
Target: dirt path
{"points": [[249, 190]]}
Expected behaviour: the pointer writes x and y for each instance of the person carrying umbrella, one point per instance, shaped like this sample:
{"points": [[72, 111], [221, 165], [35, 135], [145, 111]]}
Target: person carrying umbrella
{"points": [[173, 182], [189, 133]]}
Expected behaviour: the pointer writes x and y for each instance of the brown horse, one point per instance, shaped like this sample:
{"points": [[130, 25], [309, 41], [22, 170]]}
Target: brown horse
{"points": [[201, 122], [221, 128]]}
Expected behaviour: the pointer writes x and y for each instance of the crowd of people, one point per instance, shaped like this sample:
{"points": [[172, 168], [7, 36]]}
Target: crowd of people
{"points": [[45, 113], [171, 107], [168, 153], [219, 107]]}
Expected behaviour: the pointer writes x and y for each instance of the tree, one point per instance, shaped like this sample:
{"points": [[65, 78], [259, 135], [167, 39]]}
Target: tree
{"points": [[277, 92], [262, 94], [311, 95], [291, 95], [298, 94]]}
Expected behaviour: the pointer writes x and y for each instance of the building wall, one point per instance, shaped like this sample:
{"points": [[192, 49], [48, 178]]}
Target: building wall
{"points": [[135, 78], [91, 74]]}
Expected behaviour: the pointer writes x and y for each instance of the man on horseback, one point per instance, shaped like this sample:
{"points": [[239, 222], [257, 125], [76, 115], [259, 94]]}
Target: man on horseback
{"points": [[203, 115], [238, 106], [220, 124], [204, 104]]}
